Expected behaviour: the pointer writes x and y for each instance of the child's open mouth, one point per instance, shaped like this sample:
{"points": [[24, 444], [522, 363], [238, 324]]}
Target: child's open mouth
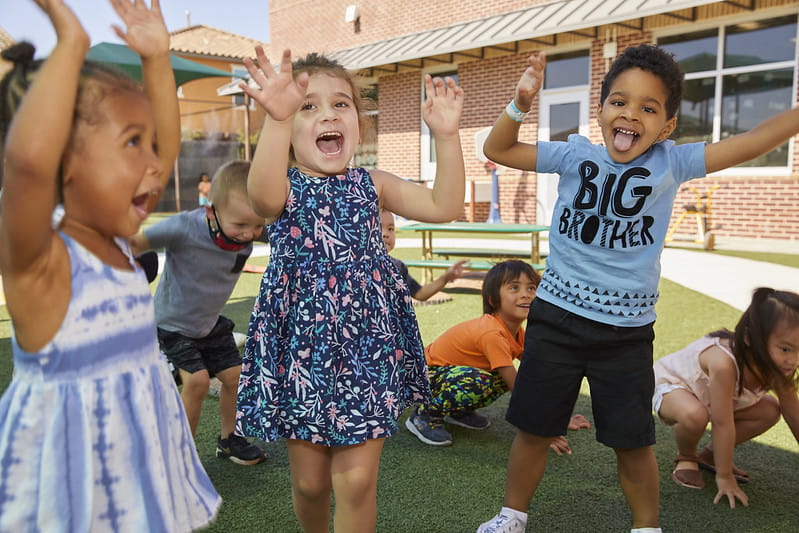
{"points": [[623, 139], [140, 203], [330, 142]]}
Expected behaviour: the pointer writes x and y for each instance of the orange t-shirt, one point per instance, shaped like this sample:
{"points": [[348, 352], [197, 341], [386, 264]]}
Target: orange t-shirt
{"points": [[483, 342]]}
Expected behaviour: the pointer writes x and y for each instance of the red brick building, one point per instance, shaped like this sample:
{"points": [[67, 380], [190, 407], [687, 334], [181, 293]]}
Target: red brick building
{"points": [[740, 58]]}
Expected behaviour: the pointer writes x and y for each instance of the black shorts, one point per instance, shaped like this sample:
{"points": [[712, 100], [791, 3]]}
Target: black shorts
{"points": [[215, 352], [561, 348]]}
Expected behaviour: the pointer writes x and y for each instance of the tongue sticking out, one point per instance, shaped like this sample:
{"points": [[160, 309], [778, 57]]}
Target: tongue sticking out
{"points": [[623, 141]]}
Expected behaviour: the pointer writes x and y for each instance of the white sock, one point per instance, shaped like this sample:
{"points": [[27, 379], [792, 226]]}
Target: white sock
{"points": [[645, 530], [507, 511]]}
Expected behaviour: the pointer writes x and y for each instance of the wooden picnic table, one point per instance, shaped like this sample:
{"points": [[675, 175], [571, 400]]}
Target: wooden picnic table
{"points": [[474, 228]]}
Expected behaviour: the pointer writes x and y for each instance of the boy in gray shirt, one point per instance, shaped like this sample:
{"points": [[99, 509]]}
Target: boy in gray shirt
{"points": [[206, 250]]}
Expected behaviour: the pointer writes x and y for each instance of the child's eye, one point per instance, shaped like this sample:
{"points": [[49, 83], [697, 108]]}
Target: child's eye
{"points": [[648, 109], [342, 104], [135, 140], [307, 106], [617, 103]]}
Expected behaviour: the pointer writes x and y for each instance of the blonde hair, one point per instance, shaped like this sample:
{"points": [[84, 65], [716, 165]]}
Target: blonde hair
{"points": [[230, 176]]}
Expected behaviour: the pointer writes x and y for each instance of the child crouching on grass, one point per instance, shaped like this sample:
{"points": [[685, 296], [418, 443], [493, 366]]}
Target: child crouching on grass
{"points": [[471, 364], [724, 378]]}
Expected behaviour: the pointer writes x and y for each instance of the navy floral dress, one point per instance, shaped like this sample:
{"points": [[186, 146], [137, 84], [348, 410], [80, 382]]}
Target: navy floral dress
{"points": [[333, 353]]}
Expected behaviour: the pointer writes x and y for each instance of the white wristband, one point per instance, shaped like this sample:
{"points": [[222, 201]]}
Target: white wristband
{"points": [[514, 113]]}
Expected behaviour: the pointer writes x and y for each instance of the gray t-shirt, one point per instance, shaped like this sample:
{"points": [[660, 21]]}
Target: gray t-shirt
{"points": [[198, 276]]}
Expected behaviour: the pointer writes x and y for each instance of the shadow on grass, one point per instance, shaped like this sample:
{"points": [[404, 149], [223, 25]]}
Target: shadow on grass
{"points": [[427, 489]]}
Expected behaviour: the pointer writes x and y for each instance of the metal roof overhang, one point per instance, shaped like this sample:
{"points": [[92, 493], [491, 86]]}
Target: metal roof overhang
{"points": [[503, 31]]}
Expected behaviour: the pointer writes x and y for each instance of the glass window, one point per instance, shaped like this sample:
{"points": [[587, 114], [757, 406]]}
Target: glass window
{"points": [[567, 70], [755, 43], [564, 120], [695, 116], [238, 99], [752, 81], [749, 99], [694, 53]]}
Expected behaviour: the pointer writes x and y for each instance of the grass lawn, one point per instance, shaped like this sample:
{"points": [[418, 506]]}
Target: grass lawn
{"points": [[424, 489]]}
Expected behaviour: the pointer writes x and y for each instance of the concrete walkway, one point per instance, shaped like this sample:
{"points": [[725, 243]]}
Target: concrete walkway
{"points": [[728, 279]]}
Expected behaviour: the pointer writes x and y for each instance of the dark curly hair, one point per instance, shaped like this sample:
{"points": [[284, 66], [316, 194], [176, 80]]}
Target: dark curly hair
{"points": [[650, 59]]}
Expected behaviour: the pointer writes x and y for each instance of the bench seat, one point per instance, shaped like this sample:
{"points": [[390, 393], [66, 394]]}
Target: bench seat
{"points": [[482, 252], [444, 263]]}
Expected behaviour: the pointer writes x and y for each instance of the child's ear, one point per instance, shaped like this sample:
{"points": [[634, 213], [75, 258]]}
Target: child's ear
{"points": [[667, 130], [209, 213]]}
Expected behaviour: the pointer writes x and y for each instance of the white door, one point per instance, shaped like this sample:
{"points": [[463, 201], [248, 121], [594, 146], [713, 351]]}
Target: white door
{"points": [[562, 113]]}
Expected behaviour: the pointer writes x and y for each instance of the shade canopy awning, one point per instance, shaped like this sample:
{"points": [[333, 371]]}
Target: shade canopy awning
{"points": [[533, 24], [129, 62]]}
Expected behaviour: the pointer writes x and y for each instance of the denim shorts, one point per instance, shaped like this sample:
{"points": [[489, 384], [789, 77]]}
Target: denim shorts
{"points": [[561, 348], [215, 352]]}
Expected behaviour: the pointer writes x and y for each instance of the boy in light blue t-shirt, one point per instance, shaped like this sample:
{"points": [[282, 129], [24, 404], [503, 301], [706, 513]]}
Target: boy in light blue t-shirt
{"points": [[595, 307]]}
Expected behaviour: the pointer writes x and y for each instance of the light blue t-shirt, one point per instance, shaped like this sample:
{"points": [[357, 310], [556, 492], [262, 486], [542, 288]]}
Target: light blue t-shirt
{"points": [[609, 225]]}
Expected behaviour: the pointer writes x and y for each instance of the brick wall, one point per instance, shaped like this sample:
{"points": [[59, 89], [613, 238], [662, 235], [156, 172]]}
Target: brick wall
{"points": [[764, 207], [298, 24]]}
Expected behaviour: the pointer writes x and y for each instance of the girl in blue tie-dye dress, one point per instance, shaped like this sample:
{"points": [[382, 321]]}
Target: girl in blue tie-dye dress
{"points": [[93, 435], [333, 354]]}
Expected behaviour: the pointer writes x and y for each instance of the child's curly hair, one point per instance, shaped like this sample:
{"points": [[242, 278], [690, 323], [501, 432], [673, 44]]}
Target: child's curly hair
{"points": [[650, 59]]}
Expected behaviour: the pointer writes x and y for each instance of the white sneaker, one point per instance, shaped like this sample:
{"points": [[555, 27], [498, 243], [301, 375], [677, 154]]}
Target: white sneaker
{"points": [[502, 524]]}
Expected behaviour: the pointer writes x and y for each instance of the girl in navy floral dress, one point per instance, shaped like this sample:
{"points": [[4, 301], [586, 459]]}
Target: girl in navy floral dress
{"points": [[333, 354]]}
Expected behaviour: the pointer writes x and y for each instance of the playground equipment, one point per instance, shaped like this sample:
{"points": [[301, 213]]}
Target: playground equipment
{"points": [[701, 211]]}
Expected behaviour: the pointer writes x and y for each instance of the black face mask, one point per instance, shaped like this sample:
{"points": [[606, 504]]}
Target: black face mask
{"points": [[220, 239]]}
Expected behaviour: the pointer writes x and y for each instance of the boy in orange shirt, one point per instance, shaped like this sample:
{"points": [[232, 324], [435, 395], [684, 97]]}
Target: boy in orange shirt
{"points": [[471, 364]]}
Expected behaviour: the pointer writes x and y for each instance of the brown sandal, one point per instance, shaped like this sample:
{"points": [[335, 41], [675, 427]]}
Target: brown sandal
{"points": [[706, 463], [685, 477]]}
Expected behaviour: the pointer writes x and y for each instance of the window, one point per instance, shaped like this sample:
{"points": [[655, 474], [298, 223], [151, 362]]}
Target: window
{"points": [[567, 70], [736, 77]]}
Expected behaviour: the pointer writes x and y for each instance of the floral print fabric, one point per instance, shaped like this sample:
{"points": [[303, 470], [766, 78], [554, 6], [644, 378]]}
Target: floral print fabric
{"points": [[333, 353]]}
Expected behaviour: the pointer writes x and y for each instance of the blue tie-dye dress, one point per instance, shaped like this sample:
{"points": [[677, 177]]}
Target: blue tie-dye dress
{"points": [[333, 354], [93, 435]]}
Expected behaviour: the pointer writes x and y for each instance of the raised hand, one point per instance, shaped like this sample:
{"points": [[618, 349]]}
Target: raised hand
{"points": [[442, 106], [531, 81], [146, 32], [66, 24], [277, 92]]}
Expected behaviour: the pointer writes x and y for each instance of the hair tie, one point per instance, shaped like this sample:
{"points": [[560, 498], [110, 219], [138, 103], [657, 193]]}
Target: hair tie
{"points": [[20, 53]]}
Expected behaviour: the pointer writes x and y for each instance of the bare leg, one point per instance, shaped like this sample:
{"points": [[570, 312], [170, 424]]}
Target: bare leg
{"points": [[310, 484], [354, 474], [195, 388], [755, 420], [227, 399], [689, 418], [526, 465], [638, 476]]}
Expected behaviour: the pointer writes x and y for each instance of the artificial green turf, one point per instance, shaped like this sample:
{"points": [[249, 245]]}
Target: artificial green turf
{"points": [[424, 489]]}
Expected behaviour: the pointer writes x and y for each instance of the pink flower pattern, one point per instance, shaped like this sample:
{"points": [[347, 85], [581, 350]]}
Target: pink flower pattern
{"points": [[333, 354]]}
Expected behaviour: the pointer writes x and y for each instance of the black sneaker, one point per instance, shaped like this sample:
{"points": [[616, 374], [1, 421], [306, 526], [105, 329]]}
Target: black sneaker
{"points": [[468, 419], [429, 429], [238, 450]]}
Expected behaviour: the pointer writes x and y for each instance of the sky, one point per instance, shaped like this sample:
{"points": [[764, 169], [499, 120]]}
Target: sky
{"points": [[23, 20]]}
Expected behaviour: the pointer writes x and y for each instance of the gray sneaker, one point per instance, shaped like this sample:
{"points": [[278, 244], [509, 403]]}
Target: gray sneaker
{"points": [[428, 429], [502, 524], [468, 419]]}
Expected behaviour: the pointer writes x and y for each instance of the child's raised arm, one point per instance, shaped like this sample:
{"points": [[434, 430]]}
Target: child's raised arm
{"points": [[35, 145], [281, 96], [147, 36], [441, 110], [502, 144], [746, 146]]}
